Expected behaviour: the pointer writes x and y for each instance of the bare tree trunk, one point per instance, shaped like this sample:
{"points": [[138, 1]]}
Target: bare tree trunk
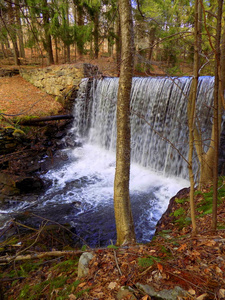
{"points": [[122, 207], [56, 51], [217, 117], [19, 30], [12, 33], [96, 34], [151, 42], [48, 39], [118, 44], [222, 60], [192, 118]]}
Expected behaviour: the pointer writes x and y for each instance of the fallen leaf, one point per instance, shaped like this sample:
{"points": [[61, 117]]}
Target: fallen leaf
{"points": [[182, 247], [218, 270], [191, 292], [112, 285], [146, 297], [82, 284], [160, 267]]}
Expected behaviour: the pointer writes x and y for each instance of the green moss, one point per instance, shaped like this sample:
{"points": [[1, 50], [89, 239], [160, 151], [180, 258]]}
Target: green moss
{"points": [[66, 265], [18, 133], [179, 212], [181, 201], [148, 261]]}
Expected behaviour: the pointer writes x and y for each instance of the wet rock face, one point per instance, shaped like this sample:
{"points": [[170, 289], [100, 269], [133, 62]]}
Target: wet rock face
{"points": [[24, 157], [10, 138]]}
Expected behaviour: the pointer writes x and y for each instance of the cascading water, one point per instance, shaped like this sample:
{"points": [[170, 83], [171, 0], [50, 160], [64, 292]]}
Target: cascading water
{"points": [[82, 189], [159, 128]]}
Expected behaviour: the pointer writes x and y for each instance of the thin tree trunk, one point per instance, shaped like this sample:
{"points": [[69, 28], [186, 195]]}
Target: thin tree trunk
{"points": [[118, 44], [19, 30], [48, 39], [191, 119], [217, 118], [12, 33], [122, 207], [96, 34], [56, 51]]}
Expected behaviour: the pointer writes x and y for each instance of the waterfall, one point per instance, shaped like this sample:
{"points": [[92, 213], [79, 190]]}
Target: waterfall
{"points": [[159, 131], [81, 189]]}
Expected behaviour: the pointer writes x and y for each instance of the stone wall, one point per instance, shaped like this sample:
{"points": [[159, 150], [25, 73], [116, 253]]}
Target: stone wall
{"points": [[55, 80]]}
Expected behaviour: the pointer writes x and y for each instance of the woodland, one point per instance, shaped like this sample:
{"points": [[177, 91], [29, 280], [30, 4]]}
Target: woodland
{"points": [[147, 38]]}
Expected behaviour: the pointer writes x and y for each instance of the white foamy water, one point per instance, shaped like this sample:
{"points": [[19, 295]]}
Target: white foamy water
{"points": [[88, 180]]}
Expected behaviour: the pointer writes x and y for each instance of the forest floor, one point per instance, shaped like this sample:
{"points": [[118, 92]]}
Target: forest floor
{"points": [[173, 258]]}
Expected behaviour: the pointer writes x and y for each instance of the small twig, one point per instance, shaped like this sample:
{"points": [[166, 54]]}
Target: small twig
{"points": [[11, 279], [4, 260], [61, 227], [196, 286], [18, 254], [146, 271], [116, 260]]}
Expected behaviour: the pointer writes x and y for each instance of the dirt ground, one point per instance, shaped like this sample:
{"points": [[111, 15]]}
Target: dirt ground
{"points": [[19, 97]]}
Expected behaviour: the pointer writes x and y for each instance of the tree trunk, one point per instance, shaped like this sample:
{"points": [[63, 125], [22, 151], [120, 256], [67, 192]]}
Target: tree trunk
{"points": [[48, 39], [217, 117], [56, 51], [80, 23], [12, 33], [118, 44], [122, 207], [19, 30], [222, 60], [192, 117], [151, 42], [96, 33]]}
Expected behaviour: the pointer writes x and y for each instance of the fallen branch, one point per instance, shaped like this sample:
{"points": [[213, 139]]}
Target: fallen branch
{"points": [[7, 259], [35, 121]]}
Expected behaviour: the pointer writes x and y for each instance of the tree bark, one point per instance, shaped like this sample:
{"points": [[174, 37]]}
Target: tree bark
{"points": [[19, 30], [12, 33], [192, 117], [96, 33], [48, 39], [217, 117], [122, 207], [118, 44]]}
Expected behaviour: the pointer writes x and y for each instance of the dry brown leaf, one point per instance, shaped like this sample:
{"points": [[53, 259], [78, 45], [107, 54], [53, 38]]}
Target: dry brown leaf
{"points": [[191, 292], [160, 267], [146, 297], [112, 285], [182, 248], [82, 284], [72, 297]]}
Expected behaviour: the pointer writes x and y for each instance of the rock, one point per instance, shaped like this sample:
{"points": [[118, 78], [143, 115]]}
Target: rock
{"points": [[58, 80], [29, 184], [125, 293], [7, 185], [166, 217], [83, 264], [172, 294]]}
